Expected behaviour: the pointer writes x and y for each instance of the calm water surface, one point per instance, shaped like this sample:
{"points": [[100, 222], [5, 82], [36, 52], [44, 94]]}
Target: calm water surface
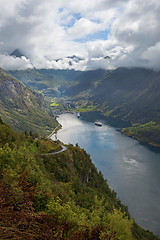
{"points": [[132, 169]]}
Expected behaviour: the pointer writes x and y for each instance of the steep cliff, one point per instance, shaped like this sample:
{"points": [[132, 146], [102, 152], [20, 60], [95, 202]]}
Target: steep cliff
{"points": [[22, 108]]}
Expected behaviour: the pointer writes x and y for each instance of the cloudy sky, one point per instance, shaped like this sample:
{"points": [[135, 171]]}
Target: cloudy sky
{"points": [[80, 34]]}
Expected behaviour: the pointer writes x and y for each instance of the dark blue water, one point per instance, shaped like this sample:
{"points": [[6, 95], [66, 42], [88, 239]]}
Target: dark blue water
{"points": [[132, 169]]}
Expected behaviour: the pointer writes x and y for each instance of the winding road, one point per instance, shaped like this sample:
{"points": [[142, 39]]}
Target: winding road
{"points": [[54, 153]]}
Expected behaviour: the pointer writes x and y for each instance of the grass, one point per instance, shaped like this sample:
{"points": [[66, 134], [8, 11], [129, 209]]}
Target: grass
{"points": [[87, 109], [54, 104]]}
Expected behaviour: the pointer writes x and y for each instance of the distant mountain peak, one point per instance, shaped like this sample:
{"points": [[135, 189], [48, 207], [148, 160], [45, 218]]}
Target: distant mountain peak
{"points": [[17, 53], [107, 57], [75, 58]]}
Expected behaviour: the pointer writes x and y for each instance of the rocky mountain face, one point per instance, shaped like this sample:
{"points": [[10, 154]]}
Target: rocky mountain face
{"points": [[23, 108]]}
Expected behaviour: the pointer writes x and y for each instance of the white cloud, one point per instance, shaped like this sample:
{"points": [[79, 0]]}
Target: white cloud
{"points": [[152, 56], [83, 27], [126, 30], [12, 63], [138, 29]]}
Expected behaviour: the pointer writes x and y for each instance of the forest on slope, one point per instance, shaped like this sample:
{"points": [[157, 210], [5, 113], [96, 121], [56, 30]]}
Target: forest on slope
{"points": [[59, 196]]}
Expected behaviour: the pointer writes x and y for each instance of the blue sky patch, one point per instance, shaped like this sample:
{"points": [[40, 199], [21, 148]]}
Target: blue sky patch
{"points": [[100, 35]]}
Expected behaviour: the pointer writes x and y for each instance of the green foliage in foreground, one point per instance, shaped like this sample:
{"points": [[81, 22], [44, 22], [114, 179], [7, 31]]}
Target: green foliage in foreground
{"points": [[147, 133], [57, 196]]}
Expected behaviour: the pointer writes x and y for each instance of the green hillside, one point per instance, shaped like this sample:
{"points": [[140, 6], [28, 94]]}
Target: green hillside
{"points": [[22, 108], [59, 196], [147, 133], [131, 94]]}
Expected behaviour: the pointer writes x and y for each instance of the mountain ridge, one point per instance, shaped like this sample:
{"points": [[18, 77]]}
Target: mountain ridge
{"points": [[24, 109]]}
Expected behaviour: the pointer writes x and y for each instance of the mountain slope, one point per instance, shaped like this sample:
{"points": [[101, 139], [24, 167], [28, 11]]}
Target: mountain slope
{"points": [[59, 196], [132, 94], [22, 108]]}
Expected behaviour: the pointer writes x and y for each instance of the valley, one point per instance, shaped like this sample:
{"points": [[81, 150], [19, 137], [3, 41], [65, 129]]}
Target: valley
{"points": [[131, 94]]}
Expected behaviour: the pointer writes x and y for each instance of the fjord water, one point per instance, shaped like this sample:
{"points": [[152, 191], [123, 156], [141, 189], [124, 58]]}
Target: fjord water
{"points": [[132, 169]]}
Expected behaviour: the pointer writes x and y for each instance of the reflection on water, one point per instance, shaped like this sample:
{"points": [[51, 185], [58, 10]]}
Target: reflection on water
{"points": [[131, 168]]}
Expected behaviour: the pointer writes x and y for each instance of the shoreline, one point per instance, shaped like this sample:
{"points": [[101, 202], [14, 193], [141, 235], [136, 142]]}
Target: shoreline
{"points": [[148, 144], [55, 130]]}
